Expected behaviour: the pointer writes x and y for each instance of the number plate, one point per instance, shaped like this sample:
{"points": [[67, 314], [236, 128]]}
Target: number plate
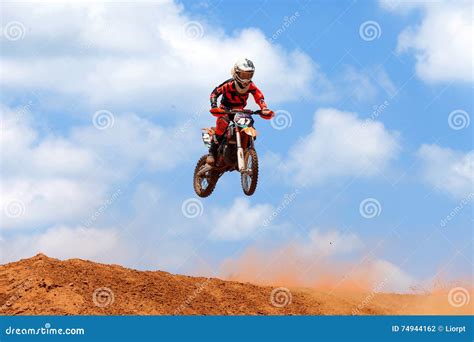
{"points": [[206, 139], [243, 120]]}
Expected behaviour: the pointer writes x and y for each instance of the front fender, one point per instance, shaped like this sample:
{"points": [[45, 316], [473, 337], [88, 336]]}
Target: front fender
{"points": [[250, 131]]}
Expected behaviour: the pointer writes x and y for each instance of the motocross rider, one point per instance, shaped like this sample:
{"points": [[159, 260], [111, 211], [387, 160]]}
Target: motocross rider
{"points": [[235, 92]]}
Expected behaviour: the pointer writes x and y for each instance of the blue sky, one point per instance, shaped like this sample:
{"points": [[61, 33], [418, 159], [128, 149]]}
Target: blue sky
{"points": [[373, 102]]}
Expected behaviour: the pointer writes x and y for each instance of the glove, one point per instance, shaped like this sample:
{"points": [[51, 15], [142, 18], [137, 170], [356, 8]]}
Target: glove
{"points": [[267, 114], [216, 111]]}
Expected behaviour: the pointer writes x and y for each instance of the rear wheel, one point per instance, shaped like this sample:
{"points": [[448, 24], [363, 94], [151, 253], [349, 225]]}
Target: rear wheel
{"points": [[249, 178], [204, 185]]}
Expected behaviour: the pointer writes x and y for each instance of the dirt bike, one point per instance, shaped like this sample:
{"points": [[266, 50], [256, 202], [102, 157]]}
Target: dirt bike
{"points": [[235, 152]]}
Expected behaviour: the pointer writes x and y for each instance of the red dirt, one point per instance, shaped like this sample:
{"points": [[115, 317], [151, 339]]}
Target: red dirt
{"points": [[47, 286]]}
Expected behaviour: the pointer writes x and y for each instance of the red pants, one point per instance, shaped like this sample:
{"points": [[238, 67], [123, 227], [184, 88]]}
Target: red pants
{"points": [[221, 124]]}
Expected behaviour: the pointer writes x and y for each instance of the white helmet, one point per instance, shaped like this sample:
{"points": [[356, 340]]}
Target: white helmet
{"points": [[242, 72]]}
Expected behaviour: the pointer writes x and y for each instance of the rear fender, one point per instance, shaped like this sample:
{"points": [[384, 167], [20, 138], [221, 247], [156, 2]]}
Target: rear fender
{"points": [[209, 130], [207, 136]]}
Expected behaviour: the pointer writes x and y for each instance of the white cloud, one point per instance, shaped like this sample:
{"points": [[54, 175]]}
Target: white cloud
{"points": [[125, 53], [332, 242], [383, 80], [48, 200], [44, 176], [64, 179], [355, 84], [239, 221], [443, 42], [341, 144], [132, 140], [449, 170], [367, 84], [49, 155], [385, 276], [359, 85], [65, 242]]}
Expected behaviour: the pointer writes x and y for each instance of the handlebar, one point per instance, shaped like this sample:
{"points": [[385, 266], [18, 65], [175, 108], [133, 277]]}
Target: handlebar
{"points": [[246, 111]]}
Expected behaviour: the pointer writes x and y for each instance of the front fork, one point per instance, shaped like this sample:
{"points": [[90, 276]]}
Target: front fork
{"points": [[240, 150]]}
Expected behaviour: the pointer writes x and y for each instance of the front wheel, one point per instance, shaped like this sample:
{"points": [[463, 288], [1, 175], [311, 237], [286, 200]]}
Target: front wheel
{"points": [[204, 184], [249, 177]]}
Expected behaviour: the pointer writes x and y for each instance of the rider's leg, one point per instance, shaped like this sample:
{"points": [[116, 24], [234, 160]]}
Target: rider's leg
{"points": [[221, 127], [211, 157]]}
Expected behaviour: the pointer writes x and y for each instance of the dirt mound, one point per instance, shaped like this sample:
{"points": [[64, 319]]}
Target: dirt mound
{"points": [[47, 286]]}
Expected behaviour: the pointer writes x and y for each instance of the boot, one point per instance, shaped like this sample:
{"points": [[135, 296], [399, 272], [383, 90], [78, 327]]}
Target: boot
{"points": [[212, 156]]}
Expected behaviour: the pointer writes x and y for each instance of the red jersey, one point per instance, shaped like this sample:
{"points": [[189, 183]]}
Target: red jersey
{"points": [[232, 99]]}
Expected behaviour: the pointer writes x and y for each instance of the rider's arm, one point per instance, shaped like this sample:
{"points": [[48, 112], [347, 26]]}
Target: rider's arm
{"points": [[260, 100], [214, 96], [258, 96], [218, 91]]}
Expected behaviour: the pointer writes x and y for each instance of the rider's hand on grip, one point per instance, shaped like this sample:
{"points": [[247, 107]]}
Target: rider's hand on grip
{"points": [[267, 113], [216, 111]]}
